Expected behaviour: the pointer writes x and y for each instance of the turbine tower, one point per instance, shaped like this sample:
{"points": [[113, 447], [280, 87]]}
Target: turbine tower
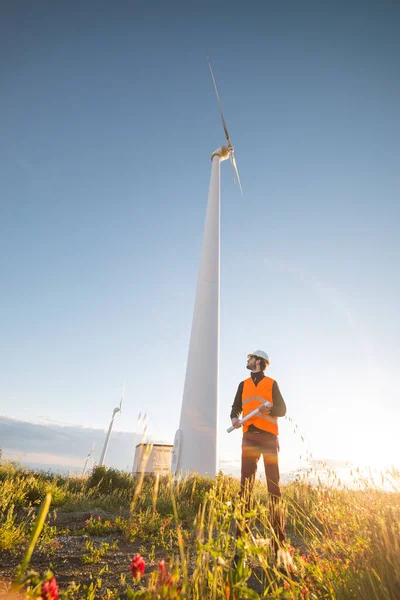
{"points": [[195, 444]]}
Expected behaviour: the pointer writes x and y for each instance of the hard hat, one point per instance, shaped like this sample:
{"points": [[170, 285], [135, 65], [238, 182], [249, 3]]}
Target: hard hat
{"points": [[261, 354]]}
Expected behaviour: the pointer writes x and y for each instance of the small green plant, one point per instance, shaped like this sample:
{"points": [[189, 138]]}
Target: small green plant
{"points": [[97, 526], [95, 554], [148, 525]]}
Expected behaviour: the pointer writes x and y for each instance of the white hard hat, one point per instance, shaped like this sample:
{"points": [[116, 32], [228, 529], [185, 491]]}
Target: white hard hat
{"points": [[261, 354]]}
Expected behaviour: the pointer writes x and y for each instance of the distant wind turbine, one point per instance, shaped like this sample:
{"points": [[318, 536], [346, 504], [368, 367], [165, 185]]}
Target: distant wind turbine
{"points": [[90, 455], [115, 411], [195, 444]]}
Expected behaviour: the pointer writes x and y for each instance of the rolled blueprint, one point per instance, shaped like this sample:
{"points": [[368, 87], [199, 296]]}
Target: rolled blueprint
{"points": [[247, 417]]}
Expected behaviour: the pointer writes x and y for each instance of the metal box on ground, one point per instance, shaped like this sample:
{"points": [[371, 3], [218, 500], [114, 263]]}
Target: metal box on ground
{"points": [[152, 458]]}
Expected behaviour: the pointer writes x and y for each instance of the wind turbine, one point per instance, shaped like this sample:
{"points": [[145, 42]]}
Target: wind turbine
{"points": [[195, 444], [116, 410], [90, 455]]}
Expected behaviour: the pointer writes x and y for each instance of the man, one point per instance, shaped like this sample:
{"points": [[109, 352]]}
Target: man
{"points": [[260, 434]]}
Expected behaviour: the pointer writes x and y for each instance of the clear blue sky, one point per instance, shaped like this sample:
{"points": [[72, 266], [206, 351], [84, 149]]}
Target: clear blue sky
{"points": [[109, 119]]}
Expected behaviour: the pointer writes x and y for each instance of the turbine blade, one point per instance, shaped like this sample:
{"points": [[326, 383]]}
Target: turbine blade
{"points": [[220, 107], [234, 165], [230, 147], [233, 168], [122, 397]]}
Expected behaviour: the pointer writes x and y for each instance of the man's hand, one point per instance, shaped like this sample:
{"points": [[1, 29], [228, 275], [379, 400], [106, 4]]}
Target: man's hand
{"points": [[265, 409], [235, 423]]}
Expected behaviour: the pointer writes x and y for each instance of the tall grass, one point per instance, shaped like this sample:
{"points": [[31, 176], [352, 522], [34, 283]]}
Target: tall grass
{"points": [[343, 543]]}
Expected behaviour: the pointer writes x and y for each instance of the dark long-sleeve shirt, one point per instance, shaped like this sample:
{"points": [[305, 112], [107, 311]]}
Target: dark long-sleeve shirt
{"points": [[278, 409]]}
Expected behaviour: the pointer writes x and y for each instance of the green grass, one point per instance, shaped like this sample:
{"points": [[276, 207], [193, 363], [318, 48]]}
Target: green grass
{"points": [[344, 543]]}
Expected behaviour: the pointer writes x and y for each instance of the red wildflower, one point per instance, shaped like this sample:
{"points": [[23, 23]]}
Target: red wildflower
{"points": [[49, 590], [137, 566], [312, 557], [227, 590], [304, 558], [163, 575], [304, 592], [88, 521]]}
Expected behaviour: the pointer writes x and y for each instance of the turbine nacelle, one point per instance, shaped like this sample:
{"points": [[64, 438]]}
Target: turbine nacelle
{"points": [[222, 153]]}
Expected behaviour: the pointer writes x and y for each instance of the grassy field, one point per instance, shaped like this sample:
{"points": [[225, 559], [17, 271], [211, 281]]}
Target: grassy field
{"points": [[341, 543]]}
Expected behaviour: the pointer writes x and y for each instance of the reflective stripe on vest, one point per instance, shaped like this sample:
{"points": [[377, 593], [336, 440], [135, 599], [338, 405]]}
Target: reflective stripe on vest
{"points": [[254, 396]]}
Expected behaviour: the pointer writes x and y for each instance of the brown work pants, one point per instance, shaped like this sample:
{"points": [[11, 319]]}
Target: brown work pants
{"points": [[254, 445]]}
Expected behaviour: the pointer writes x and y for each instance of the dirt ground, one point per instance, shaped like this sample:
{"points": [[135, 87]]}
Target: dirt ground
{"points": [[64, 556]]}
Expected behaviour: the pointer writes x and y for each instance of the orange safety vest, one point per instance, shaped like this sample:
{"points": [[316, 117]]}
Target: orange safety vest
{"points": [[253, 396]]}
